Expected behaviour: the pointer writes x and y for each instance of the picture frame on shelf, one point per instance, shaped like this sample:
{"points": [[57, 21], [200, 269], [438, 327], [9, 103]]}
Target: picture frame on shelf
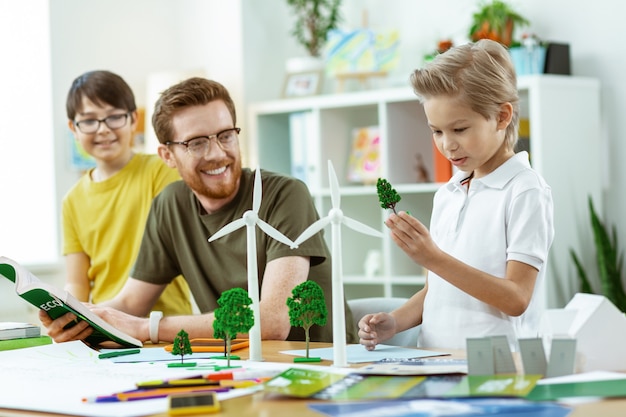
{"points": [[364, 161], [302, 84]]}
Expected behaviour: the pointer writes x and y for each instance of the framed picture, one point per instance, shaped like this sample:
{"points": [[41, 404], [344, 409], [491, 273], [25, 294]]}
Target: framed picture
{"points": [[301, 84]]}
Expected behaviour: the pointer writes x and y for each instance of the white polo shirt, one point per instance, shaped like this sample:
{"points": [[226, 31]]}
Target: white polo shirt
{"points": [[506, 215]]}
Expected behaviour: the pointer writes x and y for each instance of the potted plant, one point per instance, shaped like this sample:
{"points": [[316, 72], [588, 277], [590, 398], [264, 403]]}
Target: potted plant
{"points": [[496, 20], [609, 261], [314, 20]]}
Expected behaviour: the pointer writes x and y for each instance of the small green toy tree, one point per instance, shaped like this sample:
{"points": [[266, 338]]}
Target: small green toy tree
{"points": [[387, 195], [306, 308], [182, 346], [233, 316]]}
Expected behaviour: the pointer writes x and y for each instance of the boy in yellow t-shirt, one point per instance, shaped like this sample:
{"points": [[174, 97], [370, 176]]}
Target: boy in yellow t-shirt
{"points": [[104, 214]]}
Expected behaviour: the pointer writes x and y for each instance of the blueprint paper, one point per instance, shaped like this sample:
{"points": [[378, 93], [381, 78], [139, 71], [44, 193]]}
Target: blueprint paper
{"points": [[358, 353]]}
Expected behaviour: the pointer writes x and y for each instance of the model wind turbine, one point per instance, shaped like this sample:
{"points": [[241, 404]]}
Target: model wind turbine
{"points": [[251, 219], [336, 218]]}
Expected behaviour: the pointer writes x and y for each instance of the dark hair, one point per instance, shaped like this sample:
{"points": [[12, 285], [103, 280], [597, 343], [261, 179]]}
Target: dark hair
{"points": [[481, 73], [194, 91], [101, 87]]}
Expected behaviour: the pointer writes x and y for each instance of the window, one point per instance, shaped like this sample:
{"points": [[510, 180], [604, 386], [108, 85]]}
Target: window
{"points": [[28, 209]]}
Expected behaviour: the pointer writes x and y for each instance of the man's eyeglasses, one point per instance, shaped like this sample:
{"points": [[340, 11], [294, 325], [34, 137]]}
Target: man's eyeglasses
{"points": [[199, 147], [114, 121]]}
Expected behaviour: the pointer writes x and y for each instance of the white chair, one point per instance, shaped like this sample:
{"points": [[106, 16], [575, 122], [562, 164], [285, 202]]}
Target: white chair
{"points": [[362, 306]]}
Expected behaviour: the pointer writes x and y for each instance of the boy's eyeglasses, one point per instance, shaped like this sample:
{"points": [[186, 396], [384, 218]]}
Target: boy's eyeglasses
{"points": [[199, 147], [114, 121]]}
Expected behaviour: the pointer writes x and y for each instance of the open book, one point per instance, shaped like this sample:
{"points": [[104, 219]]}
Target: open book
{"points": [[57, 302]]}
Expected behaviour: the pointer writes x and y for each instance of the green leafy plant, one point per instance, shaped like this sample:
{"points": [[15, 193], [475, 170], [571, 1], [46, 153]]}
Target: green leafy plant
{"points": [[182, 346], [609, 259], [495, 20], [307, 307], [314, 20], [387, 195], [233, 316]]}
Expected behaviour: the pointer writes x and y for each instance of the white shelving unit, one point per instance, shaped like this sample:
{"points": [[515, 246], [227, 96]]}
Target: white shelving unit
{"points": [[564, 124]]}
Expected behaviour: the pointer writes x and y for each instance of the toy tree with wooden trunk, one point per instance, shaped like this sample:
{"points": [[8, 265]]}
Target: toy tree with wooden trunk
{"points": [[307, 307], [181, 347], [387, 195], [233, 316]]}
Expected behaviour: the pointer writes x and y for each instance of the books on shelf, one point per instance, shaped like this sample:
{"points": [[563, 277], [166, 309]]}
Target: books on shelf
{"points": [[443, 167], [303, 151], [57, 302], [13, 330]]}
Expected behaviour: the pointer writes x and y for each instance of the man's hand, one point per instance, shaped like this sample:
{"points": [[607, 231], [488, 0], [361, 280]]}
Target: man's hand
{"points": [[57, 330]]}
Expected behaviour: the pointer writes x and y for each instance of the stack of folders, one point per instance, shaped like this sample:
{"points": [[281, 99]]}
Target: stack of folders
{"points": [[15, 335]]}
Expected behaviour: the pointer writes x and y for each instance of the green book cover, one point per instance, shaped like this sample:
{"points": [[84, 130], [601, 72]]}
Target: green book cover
{"points": [[605, 389], [302, 383], [58, 302], [504, 385], [25, 342]]}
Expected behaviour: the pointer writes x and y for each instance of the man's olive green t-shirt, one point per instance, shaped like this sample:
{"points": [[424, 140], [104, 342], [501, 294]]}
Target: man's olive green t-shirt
{"points": [[176, 243]]}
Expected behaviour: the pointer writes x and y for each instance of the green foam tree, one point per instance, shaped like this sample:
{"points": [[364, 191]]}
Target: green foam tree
{"points": [[387, 195], [182, 346], [307, 307], [233, 316]]}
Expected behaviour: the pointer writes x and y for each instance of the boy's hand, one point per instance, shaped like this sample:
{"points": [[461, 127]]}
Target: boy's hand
{"points": [[376, 328]]}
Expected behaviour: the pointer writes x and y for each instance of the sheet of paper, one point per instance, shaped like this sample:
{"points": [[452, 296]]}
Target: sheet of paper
{"points": [[434, 408], [533, 356], [361, 387], [431, 366], [562, 358], [502, 357], [494, 386], [297, 382], [56, 378], [358, 353], [480, 356], [583, 377]]}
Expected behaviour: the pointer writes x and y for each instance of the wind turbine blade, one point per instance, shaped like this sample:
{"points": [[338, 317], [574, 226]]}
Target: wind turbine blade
{"points": [[230, 227], [258, 191], [334, 185], [360, 227], [312, 229], [272, 232]]}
